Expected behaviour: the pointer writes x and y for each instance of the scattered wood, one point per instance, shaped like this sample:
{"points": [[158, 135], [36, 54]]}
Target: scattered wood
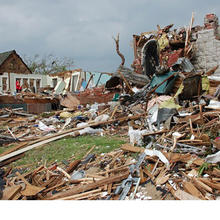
{"points": [[130, 148], [190, 188], [30, 190], [90, 186], [182, 195], [11, 193]]}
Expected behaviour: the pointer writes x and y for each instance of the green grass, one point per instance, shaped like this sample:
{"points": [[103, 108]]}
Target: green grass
{"points": [[67, 147], [5, 148]]}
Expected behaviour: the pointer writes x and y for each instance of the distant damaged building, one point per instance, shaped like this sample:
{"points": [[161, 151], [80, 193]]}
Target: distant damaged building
{"points": [[12, 69]]}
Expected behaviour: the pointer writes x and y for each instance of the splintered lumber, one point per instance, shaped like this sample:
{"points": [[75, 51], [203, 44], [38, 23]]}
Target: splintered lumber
{"points": [[129, 147], [30, 190], [54, 187], [182, 195], [162, 179], [72, 166], [210, 183], [82, 195], [10, 192], [84, 188], [123, 167], [216, 172], [60, 135], [205, 187], [190, 188], [114, 111]]}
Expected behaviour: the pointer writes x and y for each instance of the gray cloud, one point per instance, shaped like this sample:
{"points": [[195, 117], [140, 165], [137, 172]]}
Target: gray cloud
{"points": [[83, 29]]}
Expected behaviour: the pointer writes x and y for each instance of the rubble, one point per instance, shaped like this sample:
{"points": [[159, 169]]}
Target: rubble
{"points": [[168, 109]]}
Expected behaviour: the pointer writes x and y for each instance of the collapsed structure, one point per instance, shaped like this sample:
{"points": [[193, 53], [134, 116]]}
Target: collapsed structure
{"points": [[168, 105]]}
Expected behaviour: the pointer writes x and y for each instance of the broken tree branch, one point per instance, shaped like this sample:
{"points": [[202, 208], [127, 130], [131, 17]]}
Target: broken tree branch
{"points": [[117, 50]]}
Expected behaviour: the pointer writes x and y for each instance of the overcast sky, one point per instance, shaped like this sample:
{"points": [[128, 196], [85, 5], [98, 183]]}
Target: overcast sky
{"points": [[83, 29]]}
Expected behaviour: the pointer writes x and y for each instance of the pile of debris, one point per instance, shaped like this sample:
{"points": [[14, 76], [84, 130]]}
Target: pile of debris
{"points": [[117, 175], [169, 111]]}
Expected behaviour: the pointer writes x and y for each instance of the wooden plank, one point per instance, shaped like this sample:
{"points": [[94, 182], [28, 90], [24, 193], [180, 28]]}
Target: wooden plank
{"points": [[53, 187], [10, 160], [114, 111], [210, 183], [216, 172], [82, 195], [191, 189], [181, 195], [142, 177], [29, 190], [10, 192], [84, 188], [14, 149], [129, 147], [202, 185], [162, 180]]}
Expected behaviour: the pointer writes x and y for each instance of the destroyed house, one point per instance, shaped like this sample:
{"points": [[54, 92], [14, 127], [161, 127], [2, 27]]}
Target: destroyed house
{"points": [[200, 44], [77, 80]]}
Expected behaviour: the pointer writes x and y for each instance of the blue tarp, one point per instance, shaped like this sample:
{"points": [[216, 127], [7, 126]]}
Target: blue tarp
{"points": [[167, 86]]}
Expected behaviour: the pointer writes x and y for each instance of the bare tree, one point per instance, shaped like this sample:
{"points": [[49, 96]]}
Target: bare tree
{"points": [[117, 50], [48, 64]]}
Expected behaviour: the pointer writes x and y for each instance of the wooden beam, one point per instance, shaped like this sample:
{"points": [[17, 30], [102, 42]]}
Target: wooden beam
{"points": [[129, 147], [82, 195], [84, 188]]}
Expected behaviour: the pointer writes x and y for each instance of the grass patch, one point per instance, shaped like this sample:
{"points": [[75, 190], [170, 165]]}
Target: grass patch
{"points": [[5, 148], [67, 147]]}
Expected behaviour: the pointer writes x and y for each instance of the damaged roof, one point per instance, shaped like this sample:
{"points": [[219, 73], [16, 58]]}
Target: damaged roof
{"points": [[5, 55]]}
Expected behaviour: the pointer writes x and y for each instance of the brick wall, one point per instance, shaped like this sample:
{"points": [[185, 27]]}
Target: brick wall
{"points": [[207, 50]]}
